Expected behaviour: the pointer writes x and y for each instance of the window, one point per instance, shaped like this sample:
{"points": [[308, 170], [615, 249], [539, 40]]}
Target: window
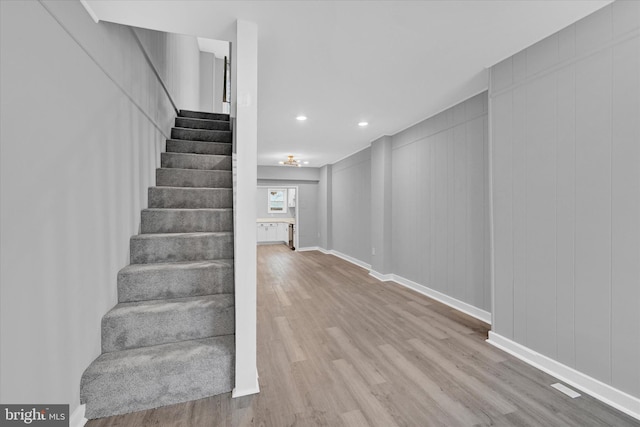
{"points": [[277, 200]]}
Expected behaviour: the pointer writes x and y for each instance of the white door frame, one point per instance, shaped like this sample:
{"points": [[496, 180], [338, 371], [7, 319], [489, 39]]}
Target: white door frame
{"points": [[297, 225]]}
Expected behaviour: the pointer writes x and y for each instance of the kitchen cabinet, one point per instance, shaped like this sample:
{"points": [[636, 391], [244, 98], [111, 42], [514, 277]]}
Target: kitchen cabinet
{"points": [[272, 232]]}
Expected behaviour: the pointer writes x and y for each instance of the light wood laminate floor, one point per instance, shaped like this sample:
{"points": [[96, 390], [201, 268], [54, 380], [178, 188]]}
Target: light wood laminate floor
{"points": [[336, 347]]}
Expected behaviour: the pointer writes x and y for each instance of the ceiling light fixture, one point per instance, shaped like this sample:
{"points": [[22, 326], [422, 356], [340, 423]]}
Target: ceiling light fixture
{"points": [[301, 118], [291, 162], [363, 124]]}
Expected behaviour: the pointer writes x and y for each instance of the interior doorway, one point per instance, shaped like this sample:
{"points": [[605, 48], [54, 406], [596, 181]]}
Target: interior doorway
{"points": [[275, 212]]}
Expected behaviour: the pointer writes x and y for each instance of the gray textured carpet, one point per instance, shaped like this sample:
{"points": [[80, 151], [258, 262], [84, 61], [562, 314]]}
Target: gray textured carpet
{"points": [[170, 339]]}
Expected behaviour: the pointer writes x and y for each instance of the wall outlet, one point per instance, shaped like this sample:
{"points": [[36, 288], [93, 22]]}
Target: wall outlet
{"points": [[373, 251]]}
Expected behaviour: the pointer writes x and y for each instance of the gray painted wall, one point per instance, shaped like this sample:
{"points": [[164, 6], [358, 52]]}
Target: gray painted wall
{"points": [[381, 206], [440, 222], [566, 194], [351, 206], [176, 57], [207, 73], [80, 138], [218, 85], [324, 207]]}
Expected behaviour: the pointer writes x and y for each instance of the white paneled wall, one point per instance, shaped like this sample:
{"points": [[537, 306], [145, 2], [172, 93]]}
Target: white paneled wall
{"points": [[440, 235], [351, 206], [566, 193]]}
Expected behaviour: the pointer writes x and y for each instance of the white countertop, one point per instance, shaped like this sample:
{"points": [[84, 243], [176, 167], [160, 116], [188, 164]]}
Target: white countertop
{"points": [[285, 220]]}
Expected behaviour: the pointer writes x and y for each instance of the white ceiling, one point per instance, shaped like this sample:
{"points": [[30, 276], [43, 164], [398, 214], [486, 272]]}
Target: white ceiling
{"points": [[391, 63]]}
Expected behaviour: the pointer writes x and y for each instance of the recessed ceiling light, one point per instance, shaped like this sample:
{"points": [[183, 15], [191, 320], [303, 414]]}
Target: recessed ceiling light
{"points": [[363, 124], [301, 118], [282, 163], [306, 163]]}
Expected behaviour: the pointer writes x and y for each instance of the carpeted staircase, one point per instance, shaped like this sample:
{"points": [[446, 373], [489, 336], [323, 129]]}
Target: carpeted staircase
{"points": [[170, 338]]}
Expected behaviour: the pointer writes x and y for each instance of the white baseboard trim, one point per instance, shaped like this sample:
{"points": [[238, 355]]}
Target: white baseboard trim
{"points": [[245, 392], [380, 276], [77, 419], [620, 400], [462, 306], [312, 248], [351, 259]]}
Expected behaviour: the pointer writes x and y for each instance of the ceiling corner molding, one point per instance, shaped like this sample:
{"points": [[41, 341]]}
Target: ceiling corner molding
{"points": [[90, 11]]}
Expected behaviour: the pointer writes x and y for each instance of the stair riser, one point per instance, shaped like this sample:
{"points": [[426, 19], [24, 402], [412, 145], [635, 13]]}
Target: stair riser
{"points": [[197, 147], [184, 122], [190, 198], [185, 221], [202, 115], [193, 178], [154, 380], [177, 282], [201, 135], [179, 248], [195, 161], [154, 328]]}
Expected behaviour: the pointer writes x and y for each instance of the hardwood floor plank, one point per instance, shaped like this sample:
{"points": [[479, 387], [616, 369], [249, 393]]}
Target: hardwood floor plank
{"points": [[356, 357], [294, 351], [354, 419], [458, 412], [422, 324], [337, 348], [375, 412], [489, 396]]}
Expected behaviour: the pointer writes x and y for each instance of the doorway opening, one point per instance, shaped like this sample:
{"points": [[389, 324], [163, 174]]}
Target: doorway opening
{"points": [[277, 215]]}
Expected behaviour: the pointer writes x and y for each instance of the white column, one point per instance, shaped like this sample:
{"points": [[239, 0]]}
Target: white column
{"points": [[245, 71]]}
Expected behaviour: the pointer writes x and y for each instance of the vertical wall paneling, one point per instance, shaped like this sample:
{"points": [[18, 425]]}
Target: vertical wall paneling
{"points": [[625, 210], [459, 218], [403, 192], [519, 212], [566, 197], [486, 200], [541, 216], [477, 255], [593, 215], [440, 203], [425, 209], [502, 136], [351, 206], [565, 215]]}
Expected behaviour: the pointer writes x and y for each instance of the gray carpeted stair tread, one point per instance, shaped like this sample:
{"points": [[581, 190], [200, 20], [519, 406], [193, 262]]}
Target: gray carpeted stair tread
{"points": [[186, 220], [170, 338], [195, 161], [194, 123], [203, 115], [201, 135], [146, 323], [198, 147], [149, 377], [190, 197], [173, 177], [175, 247], [143, 282]]}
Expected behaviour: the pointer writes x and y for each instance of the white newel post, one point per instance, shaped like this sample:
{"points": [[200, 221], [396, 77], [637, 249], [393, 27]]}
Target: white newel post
{"points": [[245, 84]]}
